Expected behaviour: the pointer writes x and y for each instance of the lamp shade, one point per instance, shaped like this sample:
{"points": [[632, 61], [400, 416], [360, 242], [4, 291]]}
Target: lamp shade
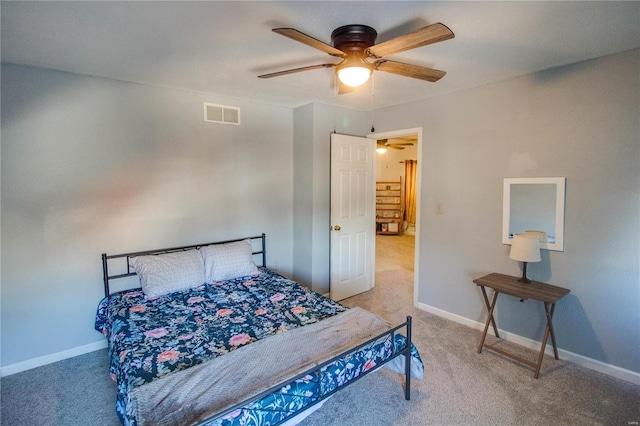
{"points": [[525, 248], [354, 76]]}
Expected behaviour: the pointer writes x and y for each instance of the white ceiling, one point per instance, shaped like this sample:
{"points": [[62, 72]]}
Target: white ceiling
{"points": [[221, 47]]}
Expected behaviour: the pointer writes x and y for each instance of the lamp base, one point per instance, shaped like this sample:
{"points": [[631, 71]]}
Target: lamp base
{"points": [[524, 278]]}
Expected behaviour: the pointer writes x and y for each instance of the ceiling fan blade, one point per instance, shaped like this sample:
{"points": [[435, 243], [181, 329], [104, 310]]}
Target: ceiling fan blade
{"points": [[295, 70], [394, 147], [400, 144], [408, 70], [426, 35], [309, 41], [409, 138]]}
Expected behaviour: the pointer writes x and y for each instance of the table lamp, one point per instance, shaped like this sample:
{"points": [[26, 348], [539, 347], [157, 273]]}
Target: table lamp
{"points": [[525, 248]]}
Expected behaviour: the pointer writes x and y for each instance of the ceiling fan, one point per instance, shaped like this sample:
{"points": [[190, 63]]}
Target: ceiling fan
{"points": [[397, 143], [355, 44]]}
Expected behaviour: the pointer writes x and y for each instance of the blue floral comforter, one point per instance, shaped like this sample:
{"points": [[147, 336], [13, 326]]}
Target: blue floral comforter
{"points": [[152, 337]]}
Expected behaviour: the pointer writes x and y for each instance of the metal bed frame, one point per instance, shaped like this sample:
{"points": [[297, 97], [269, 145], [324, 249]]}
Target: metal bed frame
{"points": [[129, 273], [406, 351]]}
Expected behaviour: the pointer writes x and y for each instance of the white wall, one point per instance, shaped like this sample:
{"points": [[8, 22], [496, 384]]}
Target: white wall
{"points": [[389, 166], [91, 165], [303, 165], [580, 121]]}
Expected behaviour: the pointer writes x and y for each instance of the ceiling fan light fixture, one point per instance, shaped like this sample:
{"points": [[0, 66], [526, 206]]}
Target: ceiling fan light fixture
{"points": [[354, 76], [381, 149], [354, 71]]}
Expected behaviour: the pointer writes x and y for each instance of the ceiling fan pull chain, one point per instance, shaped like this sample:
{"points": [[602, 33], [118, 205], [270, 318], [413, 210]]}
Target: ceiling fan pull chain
{"points": [[373, 79], [335, 100]]}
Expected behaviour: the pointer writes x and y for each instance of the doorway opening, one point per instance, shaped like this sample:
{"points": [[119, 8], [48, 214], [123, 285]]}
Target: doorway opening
{"points": [[397, 207]]}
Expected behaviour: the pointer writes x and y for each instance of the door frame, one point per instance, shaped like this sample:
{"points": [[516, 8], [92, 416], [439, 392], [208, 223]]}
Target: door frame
{"points": [[416, 253]]}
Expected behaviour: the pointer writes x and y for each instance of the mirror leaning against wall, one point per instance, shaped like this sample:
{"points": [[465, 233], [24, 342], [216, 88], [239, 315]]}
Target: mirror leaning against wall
{"points": [[534, 204]]}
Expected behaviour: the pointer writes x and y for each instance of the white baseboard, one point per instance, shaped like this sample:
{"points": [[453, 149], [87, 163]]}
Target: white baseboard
{"points": [[602, 367], [49, 359]]}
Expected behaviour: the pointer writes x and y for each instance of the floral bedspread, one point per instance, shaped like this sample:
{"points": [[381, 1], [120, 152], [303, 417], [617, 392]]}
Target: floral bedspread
{"points": [[152, 337]]}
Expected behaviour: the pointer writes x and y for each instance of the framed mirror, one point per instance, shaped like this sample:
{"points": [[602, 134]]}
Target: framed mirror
{"points": [[534, 204]]}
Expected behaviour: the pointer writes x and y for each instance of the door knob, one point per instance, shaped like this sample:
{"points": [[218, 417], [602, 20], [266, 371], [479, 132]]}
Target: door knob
{"points": [[337, 228]]}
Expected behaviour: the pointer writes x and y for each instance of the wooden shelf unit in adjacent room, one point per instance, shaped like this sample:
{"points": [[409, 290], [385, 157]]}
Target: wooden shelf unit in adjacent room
{"points": [[389, 207]]}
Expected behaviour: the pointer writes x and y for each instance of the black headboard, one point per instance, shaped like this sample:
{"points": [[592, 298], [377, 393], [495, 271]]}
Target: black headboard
{"points": [[105, 258]]}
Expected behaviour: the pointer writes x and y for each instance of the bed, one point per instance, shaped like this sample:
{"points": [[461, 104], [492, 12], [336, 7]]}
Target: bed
{"points": [[210, 337]]}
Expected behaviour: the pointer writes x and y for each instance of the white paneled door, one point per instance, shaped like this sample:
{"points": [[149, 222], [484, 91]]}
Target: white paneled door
{"points": [[352, 215]]}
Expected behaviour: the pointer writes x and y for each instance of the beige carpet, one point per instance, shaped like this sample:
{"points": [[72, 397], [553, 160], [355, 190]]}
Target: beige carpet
{"points": [[462, 387]]}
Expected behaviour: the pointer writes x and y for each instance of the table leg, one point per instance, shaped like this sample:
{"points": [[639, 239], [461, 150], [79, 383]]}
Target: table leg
{"points": [[486, 302], [489, 319], [548, 330], [550, 324]]}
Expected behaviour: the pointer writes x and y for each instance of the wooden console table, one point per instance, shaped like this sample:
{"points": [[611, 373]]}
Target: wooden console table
{"points": [[546, 293]]}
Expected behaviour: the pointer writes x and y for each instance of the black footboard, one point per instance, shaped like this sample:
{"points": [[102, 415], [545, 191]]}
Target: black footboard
{"points": [[406, 351]]}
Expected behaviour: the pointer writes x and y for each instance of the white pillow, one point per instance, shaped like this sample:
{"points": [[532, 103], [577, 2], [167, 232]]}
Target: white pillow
{"points": [[166, 273], [228, 261]]}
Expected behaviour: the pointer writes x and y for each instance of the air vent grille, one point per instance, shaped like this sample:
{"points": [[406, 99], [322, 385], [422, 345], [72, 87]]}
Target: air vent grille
{"points": [[215, 113]]}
